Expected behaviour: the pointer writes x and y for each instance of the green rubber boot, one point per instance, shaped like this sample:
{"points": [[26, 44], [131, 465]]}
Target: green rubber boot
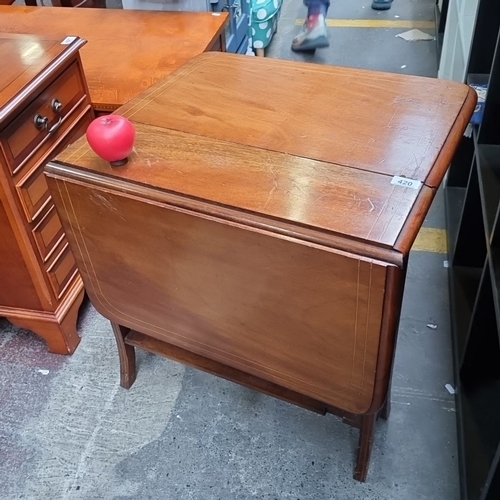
{"points": [[381, 4]]}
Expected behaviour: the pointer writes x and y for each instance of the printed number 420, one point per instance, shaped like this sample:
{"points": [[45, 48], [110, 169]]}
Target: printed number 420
{"points": [[404, 182]]}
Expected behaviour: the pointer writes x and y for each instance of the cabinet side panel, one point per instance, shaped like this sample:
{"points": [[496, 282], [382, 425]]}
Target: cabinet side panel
{"points": [[16, 288], [298, 315]]}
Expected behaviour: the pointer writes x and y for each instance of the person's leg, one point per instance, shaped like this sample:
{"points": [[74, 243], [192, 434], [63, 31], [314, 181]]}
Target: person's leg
{"points": [[313, 34], [381, 4]]}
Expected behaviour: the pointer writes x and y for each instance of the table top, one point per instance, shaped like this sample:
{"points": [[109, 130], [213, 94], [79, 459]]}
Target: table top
{"points": [[381, 122], [286, 144], [25, 60], [128, 51]]}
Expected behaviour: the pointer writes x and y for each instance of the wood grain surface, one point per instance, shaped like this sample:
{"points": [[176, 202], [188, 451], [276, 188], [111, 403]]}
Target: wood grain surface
{"points": [[11, 294], [380, 122], [297, 315], [306, 193], [142, 341], [128, 51], [25, 61]]}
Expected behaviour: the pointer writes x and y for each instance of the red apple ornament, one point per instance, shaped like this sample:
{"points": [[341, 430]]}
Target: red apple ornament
{"points": [[112, 138]]}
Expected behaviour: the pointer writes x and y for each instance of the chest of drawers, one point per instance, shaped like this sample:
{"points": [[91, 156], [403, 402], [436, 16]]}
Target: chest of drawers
{"points": [[44, 106]]}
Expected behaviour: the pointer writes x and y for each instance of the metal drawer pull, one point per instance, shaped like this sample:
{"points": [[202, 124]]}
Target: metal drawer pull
{"points": [[56, 105], [55, 126], [40, 121]]}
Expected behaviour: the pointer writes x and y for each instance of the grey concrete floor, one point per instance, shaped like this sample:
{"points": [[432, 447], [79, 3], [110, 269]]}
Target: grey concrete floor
{"points": [[69, 432], [370, 48]]}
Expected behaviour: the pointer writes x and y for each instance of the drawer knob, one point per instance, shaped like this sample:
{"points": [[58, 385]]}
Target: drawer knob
{"points": [[40, 121], [56, 105]]}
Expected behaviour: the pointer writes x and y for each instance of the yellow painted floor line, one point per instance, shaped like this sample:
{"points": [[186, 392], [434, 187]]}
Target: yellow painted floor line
{"points": [[430, 239], [374, 23]]}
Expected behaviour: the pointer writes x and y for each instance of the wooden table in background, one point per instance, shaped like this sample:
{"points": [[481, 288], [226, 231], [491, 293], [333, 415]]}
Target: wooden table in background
{"points": [[127, 50], [262, 227]]}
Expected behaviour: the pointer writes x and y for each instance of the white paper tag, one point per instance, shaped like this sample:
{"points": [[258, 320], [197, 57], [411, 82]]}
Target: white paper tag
{"points": [[405, 182], [450, 388], [68, 40]]}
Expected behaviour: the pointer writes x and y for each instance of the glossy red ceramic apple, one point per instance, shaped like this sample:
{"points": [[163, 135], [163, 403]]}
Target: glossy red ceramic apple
{"points": [[112, 138]]}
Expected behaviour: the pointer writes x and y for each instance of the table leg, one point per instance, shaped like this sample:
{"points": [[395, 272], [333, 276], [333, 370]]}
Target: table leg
{"points": [[126, 353], [386, 409], [365, 446]]}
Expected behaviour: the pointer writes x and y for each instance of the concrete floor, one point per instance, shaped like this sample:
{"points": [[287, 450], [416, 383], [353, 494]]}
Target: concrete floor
{"points": [[69, 432], [370, 48]]}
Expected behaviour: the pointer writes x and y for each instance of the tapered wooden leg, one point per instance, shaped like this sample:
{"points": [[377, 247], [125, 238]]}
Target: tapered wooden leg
{"points": [[364, 447], [126, 354], [259, 52]]}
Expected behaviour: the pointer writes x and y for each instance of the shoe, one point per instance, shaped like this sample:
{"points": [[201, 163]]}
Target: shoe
{"points": [[381, 4], [312, 36]]}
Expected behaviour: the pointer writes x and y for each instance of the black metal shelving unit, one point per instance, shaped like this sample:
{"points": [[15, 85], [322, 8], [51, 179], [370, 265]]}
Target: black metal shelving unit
{"points": [[440, 16], [473, 213]]}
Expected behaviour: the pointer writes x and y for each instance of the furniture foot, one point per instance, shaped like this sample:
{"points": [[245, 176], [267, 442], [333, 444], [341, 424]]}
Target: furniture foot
{"points": [[364, 447], [59, 333], [259, 52], [126, 354]]}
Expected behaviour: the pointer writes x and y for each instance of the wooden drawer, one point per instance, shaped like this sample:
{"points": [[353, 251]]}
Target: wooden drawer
{"points": [[32, 189], [49, 142], [22, 137], [48, 233], [34, 193], [62, 270]]}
